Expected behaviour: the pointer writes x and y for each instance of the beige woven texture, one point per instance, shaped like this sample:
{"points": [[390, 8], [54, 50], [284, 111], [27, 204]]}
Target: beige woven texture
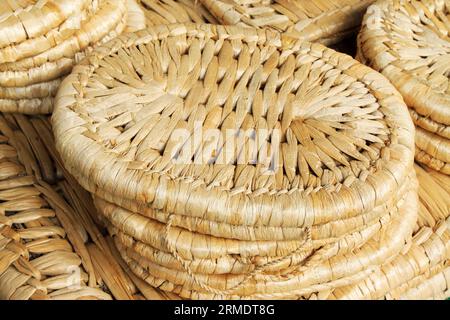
{"points": [[422, 271], [70, 204], [408, 42], [324, 21], [158, 12], [202, 220], [31, 67], [51, 244]]}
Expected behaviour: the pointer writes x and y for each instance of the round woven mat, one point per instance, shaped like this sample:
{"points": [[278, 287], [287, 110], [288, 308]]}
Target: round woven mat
{"points": [[345, 138], [408, 41], [327, 22], [33, 46]]}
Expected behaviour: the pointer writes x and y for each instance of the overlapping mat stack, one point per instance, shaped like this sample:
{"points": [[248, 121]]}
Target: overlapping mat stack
{"points": [[408, 41], [324, 21], [42, 40], [228, 164]]}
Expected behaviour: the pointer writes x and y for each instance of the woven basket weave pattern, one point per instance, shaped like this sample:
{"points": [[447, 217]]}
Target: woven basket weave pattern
{"points": [[225, 162], [408, 42], [151, 164], [214, 229]]}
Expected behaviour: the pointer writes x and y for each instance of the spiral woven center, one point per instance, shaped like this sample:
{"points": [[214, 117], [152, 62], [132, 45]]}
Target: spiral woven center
{"points": [[257, 117]]}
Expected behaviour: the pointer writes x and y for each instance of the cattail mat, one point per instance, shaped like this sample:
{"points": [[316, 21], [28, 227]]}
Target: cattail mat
{"points": [[408, 42], [327, 22], [328, 188]]}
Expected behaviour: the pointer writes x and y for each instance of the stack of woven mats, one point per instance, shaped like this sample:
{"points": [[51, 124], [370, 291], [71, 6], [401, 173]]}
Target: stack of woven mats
{"points": [[51, 245], [231, 165], [335, 216], [42, 40]]}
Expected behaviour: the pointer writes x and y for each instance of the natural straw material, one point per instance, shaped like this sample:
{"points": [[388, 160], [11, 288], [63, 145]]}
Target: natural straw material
{"points": [[324, 21], [422, 270], [58, 59], [24, 20], [122, 105], [306, 277], [159, 12], [135, 17], [50, 239], [36, 259], [413, 52], [408, 42], [29, 84], [437, 147], [31, 47]]}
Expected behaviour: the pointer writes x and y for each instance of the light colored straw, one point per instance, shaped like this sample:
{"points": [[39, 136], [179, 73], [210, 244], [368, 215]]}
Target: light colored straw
{"points": [[324, 21], [23, 20], [328, 169]]}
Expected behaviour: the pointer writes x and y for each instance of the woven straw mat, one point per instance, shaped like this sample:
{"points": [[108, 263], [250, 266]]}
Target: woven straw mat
{"points": [[124, 106], [408, 41], [122, 124], [31, 70]]}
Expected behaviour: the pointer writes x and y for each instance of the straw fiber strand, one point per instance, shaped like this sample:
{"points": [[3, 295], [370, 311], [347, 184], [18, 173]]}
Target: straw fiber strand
{"points": [[158, 12]]}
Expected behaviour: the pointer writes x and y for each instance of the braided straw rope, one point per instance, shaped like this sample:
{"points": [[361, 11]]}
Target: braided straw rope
{"points": [[408, 41], [38, 90], [324, 21]]}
